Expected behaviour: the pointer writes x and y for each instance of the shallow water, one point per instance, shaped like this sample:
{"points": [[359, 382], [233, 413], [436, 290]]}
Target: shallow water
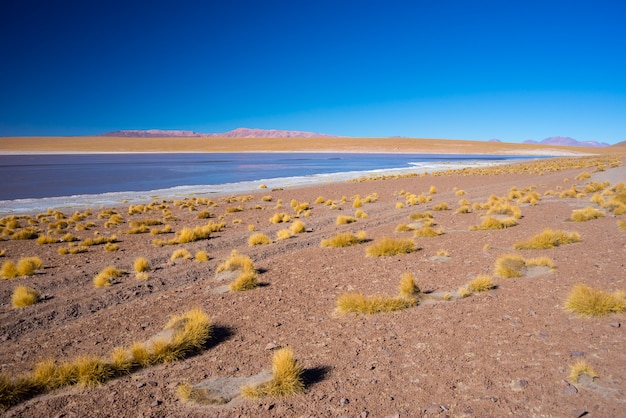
{"points": [[48, 180]]}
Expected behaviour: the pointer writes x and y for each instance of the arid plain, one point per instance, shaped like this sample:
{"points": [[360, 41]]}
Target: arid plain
{"points": [[455, 350]]}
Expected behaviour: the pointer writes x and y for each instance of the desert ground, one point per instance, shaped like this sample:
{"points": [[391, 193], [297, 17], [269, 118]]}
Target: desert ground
{"points": [[504, 351], [12, 145]]}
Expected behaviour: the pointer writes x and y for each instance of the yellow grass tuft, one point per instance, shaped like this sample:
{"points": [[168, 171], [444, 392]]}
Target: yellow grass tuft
{"points": [[432, 190], [358, 303], [441, 206], [286, 377], [283, 234], [91, 371], [24, 296], [408, 287], [9, 270], [297, 227], [345, 239], [259, 239], [408, 296], [427, 232], [141, 265], [201, 256], [548, 238], [360, 214], [247, 280], [587, 301], [280, 217], [236, 262], [512, 265], [343, 219], [180, 253], [389, 246], [105, 276], [586, 214], [579, 368], [489, 222], [27, 266], [399, 205], [621, 224], [480, 283]]}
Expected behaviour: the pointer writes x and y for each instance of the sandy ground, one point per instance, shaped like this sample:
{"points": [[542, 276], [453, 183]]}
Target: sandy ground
{"points": [[32, 145], [503, 352]]}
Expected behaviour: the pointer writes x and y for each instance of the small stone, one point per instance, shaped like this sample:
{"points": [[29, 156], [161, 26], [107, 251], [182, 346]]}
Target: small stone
{"points": [[271, 346], [144, 325], [433, 409], [233, 369], [268, 406], [344, 401], [153, 383], [615, 324], [578, 413], [577, 353], [156, 402], [570, 390], [141, 384], [364, 414]]}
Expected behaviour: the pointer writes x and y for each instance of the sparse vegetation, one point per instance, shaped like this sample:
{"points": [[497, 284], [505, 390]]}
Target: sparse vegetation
{"points": [[389, 246], [480, 283], [587, 301], [141, 265], [580, 368], [181, 253], [512, 265], [345, 239], [343, 219], [586, 214], [357, 303], [201, 256], [259, 239], [548, 238], [286, 377], [24, 296], [489, 222], [104, 278]]}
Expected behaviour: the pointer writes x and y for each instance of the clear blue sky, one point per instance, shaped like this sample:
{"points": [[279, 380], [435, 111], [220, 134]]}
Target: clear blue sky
{"points": [[511, 70]]}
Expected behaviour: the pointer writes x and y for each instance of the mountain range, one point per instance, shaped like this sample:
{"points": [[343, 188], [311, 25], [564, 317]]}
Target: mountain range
{"points": [[567, 141], [236, 133], [276, 133]]}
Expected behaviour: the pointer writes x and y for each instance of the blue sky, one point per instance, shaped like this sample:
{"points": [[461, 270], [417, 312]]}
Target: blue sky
{"points": [[510, 70]]}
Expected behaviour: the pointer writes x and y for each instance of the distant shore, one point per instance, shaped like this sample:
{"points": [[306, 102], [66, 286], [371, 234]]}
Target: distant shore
{"points": [[101, 144]]}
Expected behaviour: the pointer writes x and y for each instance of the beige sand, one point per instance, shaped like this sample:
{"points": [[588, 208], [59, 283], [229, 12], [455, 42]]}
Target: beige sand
{"points": [[414, 145]]}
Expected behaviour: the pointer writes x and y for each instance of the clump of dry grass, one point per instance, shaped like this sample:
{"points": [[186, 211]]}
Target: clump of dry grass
{"points": [[201, 256], [490, 222], [283, 234], [586, 214], [141, 265], [587, 301], [105, 276], [427, 232], [345, 239], [280, 218], [548, 238], [9, 270], [190, 332], [621, 224], [358, 303], [181, 253], [24, 296], [344, 219], [27, 266], [480, 283], [389, 246], [259, 238], [441, 206], [512, 265], [286, 377], [297, 227], [580, 368], [235, 262], [360, 214], [246, 280]]}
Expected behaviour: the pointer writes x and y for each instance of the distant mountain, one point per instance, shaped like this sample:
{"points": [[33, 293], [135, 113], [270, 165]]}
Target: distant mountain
{"points": [[567, 141], [237, 133], [494, 140]]}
